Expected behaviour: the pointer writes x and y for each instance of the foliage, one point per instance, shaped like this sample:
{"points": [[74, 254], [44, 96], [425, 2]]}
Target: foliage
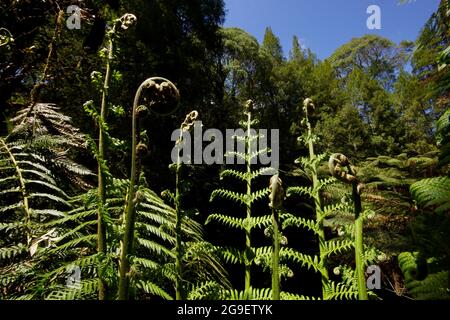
{"points": [[65, 212], [249, 255], [327, 248]]}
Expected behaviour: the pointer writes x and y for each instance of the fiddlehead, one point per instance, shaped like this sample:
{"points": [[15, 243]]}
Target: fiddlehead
{"points": [[5, 37], [160, 89], [187, 124], [125, 21], [276, 201], [341, 168]]}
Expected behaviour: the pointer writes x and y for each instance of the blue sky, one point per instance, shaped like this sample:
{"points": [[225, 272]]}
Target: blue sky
{"points": [[325, 25]]}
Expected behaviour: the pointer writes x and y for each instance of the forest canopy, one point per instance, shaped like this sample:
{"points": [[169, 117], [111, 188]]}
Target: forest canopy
{"points": [[93, 204]]}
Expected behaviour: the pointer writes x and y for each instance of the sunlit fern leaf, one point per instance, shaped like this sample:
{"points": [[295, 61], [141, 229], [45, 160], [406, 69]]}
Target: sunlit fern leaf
{"points": [[88, 240], [340, 291], [155, 231], [45, 118], [290, 220], [29, 199], [308, 191], [153, 289], [86, 289], [233, 222], [311, 262], [258, 195], [51, 135], [231, 195], [231, 255], [12, 251], [154, 267], [253, 294], [443, 137], [433, 192], [202, 262], [209, 290], [331, 209], [155, 247], [337, 246], [292, 296], [234, 173]]}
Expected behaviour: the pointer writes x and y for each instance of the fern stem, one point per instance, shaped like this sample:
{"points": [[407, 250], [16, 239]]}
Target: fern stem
{"points": [[178, 245], [23, 191], [275, 256], [318, 209], [101, 232], [128, 238], [359, 259], [248, 230], [35, 91], [127, 244]]}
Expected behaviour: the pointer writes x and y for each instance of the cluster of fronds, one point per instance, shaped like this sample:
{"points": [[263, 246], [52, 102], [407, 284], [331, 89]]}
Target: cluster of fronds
{"points": [[327, 214], [30, 199], [152, 264], [54, 138], [427, 271], [32, 158]]}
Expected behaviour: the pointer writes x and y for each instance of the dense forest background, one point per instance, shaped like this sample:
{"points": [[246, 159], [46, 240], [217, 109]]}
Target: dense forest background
{"points": [[382, 104]]}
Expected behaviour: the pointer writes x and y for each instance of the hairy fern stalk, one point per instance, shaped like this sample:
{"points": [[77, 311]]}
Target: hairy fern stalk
{"points": [[330, 289], [248, 256], [341, 169], [276, 199], [125, 21]]}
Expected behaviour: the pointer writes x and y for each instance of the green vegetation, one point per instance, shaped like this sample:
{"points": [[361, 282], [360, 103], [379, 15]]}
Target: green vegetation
{"points": [[93, 207]]}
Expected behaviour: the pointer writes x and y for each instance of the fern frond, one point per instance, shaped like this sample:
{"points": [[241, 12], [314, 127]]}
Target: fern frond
{"points": [[432, 192], [89, 239], [155, 247], [87, 288], [433, 287], [292, 296], [252, 294], [153, 289], [257, 195], [12, 251], [311, 262], [230, 195], [329, 210], [231, 255], [339, 291], [204, 291], [307, 191], [156, 231], [290, 220], [235, 174], [336, 246], [232, 222]]}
